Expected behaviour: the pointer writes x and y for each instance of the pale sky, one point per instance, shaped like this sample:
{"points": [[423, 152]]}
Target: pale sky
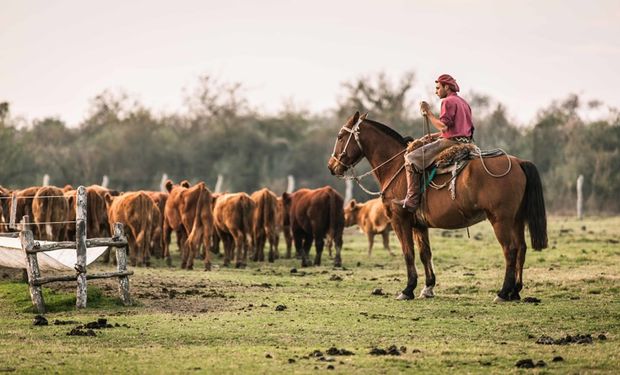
{"points": [[57, 55]]}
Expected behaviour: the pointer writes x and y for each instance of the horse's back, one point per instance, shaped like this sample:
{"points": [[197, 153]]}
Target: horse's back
{"points": [[476, 194]]}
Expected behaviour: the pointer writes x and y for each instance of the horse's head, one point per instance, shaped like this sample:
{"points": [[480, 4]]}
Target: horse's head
{"points": [[347, 150]]}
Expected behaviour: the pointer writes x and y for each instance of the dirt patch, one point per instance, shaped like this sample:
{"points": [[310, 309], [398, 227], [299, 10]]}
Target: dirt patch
{"points": [[172, 294], [529, 363], [392, 350], [531, 300], [569, 339], [39, 320]]}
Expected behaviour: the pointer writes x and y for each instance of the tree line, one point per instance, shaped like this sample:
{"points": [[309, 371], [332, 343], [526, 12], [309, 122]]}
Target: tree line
{"points": [[221, 133]]}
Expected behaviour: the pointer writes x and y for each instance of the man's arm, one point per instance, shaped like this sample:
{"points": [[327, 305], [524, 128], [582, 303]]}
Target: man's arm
{"points": [[426, 111]]}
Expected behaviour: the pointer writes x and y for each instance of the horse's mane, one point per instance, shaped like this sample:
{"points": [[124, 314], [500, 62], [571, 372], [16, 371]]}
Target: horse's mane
{"points": [[390, 132]]}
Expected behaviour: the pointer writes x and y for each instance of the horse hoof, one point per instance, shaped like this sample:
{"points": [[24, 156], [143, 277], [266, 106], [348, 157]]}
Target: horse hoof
{"points": [[427, 293], [499, 299], [403, 297]]}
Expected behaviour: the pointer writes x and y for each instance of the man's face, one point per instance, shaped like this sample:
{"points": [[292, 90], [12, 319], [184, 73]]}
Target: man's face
{"points": [[441, 90]]}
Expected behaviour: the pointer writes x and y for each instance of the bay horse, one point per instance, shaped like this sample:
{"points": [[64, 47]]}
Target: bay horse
{"points": [[508, 202]]}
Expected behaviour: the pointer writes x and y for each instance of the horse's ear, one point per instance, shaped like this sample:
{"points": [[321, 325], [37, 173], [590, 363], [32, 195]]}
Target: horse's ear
{"points": [[356, 116], [363, 117]]}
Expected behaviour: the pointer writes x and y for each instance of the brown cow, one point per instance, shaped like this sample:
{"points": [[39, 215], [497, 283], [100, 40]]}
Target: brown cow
{"points": [[135, 211], [97, 223], [70, 196], [5, 201], [232, 218], [188, 213], [50, 210], [313, 214], [159, 199], [372, 219], [24, 206], [283, 226], [264, 224]]}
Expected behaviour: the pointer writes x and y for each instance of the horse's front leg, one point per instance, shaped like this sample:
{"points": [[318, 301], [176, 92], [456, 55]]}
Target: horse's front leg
{"points": [[420, 236], [402, 226]]}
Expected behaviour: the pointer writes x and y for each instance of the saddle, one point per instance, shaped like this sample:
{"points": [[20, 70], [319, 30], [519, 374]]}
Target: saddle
{"points": [[451, 160]]}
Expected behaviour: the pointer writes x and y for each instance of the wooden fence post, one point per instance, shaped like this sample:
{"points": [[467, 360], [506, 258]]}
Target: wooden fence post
{"points": [[36, 293], [12, 218], [580, 197], [80, 239], [121, 264], [290, 186], [348, 195], [218, 184]]}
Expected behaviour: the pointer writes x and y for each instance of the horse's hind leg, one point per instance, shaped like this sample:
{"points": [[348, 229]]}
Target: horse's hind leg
{"points": [[420, 236], [504, 230], [519, 235]]}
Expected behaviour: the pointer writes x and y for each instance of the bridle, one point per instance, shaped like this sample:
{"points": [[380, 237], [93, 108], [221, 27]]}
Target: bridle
{"points": [[354, 132]]}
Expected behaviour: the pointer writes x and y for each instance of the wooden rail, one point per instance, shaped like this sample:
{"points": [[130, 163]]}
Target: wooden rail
{"points": [[31, 248]]}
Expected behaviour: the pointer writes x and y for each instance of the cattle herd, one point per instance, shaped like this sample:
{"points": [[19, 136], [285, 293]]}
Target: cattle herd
{"points": [[201, 220]]}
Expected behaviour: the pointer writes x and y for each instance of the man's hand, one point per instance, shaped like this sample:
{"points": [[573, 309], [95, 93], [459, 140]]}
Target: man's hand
{"points": [[425, 108]]}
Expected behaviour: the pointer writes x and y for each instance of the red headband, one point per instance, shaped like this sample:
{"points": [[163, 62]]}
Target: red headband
{"points": [[446, 79]]}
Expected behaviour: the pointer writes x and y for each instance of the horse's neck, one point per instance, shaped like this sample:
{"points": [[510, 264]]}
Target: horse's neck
{"points": [[378, 149]]}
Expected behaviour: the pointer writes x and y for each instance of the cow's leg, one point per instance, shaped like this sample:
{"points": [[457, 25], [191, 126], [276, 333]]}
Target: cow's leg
{"points": [[288, 238], [131, 244], [319, 243], [228, 247], [259, 248], [215, 243], [181, 241], [167, 232], [401, 222], [273, 247], [386, 241], [206, 239], [305, 250], [370, 235], [300, 238], [143, 248], [338, 243], [420, 236], [239, 239]]}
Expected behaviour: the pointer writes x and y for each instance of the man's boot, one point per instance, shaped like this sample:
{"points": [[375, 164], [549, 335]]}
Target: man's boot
{"points": [[412, 199]]}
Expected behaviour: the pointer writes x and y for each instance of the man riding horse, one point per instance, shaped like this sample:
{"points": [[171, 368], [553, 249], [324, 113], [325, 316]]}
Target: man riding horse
{"points": [[455, 126]]}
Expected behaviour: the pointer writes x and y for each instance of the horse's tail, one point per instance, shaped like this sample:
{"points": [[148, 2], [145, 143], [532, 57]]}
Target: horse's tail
{"points": [[533, 206]]}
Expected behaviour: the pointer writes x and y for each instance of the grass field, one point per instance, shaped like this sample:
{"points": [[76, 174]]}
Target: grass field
{"points": [[267, 319]]}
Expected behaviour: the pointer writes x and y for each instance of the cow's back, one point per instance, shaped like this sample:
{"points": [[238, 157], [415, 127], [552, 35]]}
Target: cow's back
{"points": [[233, 212]]}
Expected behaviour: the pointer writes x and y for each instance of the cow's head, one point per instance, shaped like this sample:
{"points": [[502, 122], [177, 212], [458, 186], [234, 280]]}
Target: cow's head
{"points": [[350, 212]]}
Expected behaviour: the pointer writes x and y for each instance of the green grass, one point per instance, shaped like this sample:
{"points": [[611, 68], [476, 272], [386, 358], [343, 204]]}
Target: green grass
{"points": [[226, 321]]}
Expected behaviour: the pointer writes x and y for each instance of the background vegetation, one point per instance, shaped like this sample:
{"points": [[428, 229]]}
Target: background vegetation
{"points": [[221, 133]]}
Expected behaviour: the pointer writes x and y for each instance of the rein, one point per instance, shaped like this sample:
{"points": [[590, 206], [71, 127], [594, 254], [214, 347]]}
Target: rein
{"points": [[355, 132]]}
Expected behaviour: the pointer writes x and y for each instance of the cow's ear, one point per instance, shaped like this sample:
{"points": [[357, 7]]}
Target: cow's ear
{"points": [[185, 184], [169, 184], [67, 188], [352, 203], [286, 197], [108, 198]]}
